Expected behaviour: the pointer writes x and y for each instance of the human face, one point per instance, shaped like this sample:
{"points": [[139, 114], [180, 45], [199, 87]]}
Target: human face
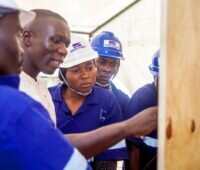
{"points": [[46, 45], [82, 77], [106, 69], [10, 49]]}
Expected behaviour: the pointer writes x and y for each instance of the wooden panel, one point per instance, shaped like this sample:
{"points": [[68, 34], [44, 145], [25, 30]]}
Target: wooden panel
{"points": [[180, 86]]}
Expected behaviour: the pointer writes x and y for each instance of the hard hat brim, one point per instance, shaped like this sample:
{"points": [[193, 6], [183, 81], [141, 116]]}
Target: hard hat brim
{"points": [[25, 17], [79, 60]]}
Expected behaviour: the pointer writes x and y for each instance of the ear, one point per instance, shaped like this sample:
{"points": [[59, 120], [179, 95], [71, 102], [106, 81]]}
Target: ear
{"points": [[27, 37]]}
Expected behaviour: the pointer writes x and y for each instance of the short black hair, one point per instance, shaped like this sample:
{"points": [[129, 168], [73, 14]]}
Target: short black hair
{"points": [[43, 14], [48, 13]]}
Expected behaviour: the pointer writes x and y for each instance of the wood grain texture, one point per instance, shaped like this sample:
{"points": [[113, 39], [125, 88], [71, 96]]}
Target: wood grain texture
{"points": [[182, 89]]}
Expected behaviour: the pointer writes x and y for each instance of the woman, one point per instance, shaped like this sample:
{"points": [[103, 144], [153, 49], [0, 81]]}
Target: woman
{"points": [[81, 106]]}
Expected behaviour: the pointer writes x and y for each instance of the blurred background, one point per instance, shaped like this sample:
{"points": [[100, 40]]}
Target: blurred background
{"points": [[135, 22]]}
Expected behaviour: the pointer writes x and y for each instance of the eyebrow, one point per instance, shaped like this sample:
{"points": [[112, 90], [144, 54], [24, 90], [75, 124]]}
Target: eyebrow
{"points": [[74, 67], [90, 62], [102, 59], [63, 38], [113, 61]]}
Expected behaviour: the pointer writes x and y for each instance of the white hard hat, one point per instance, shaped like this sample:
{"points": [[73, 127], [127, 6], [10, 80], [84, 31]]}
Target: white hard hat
{"points": [[25, 17], [79, 51]]}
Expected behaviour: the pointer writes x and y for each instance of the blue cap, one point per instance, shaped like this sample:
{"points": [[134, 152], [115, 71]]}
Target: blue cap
{"points": [[154, 66], [106, 44]]}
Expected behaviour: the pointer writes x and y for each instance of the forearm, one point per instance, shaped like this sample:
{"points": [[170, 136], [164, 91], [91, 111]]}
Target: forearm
{"points": [[93, 142], [96, 141]]}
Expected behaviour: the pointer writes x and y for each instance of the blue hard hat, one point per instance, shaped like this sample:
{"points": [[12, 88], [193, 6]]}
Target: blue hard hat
{"points": [[154, 66], [106, 44]]}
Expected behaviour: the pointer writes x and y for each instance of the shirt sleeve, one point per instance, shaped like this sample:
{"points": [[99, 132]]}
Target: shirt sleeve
{"points": [[134, 106], [41, 146], [143, 98]]}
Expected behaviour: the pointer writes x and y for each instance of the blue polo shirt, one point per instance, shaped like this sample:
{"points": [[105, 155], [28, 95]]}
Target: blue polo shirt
{"points": [[99, 109], [122, 98], [28, 139], [143, 98]]}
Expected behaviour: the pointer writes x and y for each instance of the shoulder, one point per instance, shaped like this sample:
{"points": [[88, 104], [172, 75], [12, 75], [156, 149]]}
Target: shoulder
{"points": [[11, 94], [145, 91], [119, 93], [29, 86], [22, 120], [14, 104], [14, 97], [143, 98], [55, 91], [103, 93], [25, 79]]}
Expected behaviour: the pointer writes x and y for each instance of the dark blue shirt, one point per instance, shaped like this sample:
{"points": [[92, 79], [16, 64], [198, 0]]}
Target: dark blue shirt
{"points": [[122, 98], [28, 139], [99, 109], [143, 98]]}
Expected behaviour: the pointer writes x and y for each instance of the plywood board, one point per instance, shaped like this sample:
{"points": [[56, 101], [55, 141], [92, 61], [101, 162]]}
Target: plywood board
{"points": [[180, 86]]}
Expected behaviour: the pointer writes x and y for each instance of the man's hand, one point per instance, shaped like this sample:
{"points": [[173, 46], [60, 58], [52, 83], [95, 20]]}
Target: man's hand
{"points": [[143, 123]]}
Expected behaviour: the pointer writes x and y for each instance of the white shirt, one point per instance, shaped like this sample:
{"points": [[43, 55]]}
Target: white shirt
{"points": [[38, 91]]}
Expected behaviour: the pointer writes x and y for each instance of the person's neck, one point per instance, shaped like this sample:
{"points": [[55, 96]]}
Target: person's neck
{"points": [[73, 100], [70, 95], [105, 85], [28, 69]]}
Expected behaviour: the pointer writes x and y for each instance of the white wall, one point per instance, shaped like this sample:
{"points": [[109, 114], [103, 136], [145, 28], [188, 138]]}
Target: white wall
{"points": [[139, 31]]}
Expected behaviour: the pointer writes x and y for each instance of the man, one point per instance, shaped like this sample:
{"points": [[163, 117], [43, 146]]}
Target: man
{"points": [[45, 42], [144, 97], [28, 139], [109, 49]]}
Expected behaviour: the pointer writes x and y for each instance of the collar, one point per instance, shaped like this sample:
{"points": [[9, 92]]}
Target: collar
{"points": [[12, 81], [106, 86], [92, 98], [28, 77]]}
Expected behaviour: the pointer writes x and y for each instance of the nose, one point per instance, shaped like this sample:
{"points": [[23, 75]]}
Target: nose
{"points": [[84, 74], [106, 68], [62, 50]]}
